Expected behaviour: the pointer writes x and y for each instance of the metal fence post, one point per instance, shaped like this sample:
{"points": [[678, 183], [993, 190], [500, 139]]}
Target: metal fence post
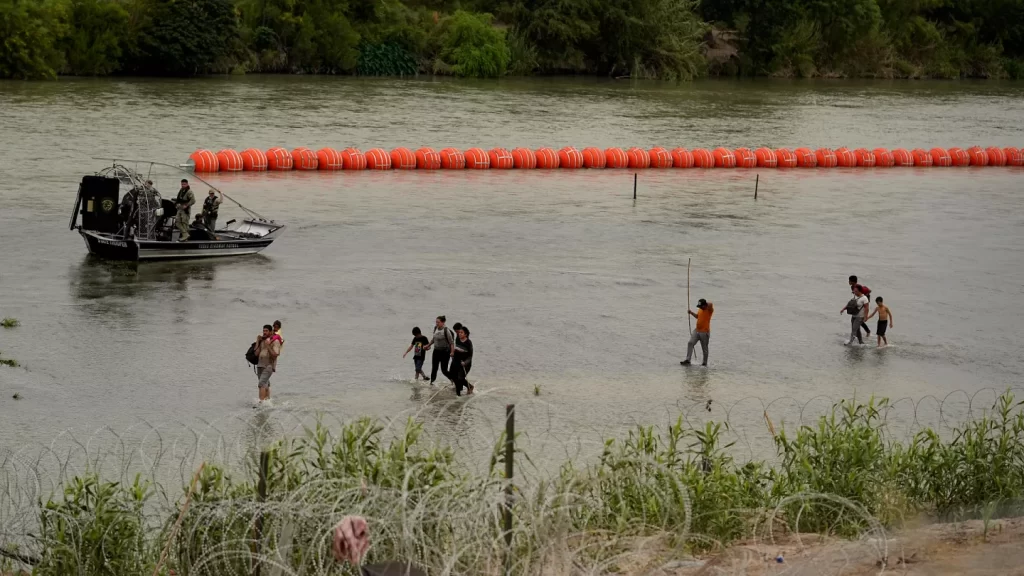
{"points": [[510, 448], [261, 496]]}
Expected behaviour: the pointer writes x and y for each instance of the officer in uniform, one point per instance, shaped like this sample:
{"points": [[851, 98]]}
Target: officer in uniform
{"points": [[210, 207], [184, 202]]}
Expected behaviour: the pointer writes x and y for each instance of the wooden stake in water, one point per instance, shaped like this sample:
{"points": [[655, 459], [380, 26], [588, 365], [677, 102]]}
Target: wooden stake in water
{"points": [[510, 449], [688, 296], [757, 179], [634, 185]]}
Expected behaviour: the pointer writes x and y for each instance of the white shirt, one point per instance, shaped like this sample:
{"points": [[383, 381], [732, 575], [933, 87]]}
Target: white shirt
{"points": [[862, 303]]}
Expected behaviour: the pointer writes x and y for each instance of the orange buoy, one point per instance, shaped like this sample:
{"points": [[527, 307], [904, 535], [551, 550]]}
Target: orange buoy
{"points": [[328, 159], [996, 156], [547, 159], [883, 158], [826, 158], [427, 159], [229, 161], [279, 159], [724, 158], [940, 157], [765, 158], [303, 159], [1014, 157], [959, 157], [254, 160], [500, 159], [638, 158], [744, 158], [477, 159], [452, 159], [977, 156], [615, 158], [902, 157], [204, 161], [865, 157], [845, 158], [524, 158], [682, 158], [570, 157], [594, 158], [921, 157], [403, 159], [703, 158], [786, 158], [805, 158], [377, 159], [353, 159], [660, 158]]}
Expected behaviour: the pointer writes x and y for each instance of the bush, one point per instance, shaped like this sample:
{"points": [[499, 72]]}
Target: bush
{"points": [[473, 47], [30, 30]]}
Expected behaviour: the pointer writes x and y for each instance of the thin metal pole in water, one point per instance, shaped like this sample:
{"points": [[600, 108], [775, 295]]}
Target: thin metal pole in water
{"points": [[634, 185], [510, 449], [261, 494], [756, 180]]}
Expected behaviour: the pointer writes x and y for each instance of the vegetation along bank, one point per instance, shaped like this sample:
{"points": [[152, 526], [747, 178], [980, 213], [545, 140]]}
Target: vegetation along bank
{"points": [[664, 39]]}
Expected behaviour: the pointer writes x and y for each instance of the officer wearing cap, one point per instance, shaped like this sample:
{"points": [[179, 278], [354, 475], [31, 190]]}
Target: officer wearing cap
{"points": [[183, 202]]}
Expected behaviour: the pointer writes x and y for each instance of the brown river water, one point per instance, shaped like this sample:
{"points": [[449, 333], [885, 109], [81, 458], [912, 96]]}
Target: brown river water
{"points": [[568, 285]]}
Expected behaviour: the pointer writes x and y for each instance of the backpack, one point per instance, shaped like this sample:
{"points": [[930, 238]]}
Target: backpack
{"points": [[852, 308], [250, 355]]}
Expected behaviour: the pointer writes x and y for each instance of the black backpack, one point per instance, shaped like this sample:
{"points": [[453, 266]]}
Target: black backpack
{"points": [[852, 308], [250, 355]]}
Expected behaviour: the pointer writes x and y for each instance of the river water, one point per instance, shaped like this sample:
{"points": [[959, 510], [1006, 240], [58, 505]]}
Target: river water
{"points": [[570, 288]]}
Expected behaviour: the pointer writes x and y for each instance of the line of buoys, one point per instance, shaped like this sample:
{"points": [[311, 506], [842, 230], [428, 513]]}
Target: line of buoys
{"points": [[302, 158]]}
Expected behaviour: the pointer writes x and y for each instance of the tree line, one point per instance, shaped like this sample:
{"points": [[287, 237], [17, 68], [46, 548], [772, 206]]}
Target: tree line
{"points": [[666, 39]]}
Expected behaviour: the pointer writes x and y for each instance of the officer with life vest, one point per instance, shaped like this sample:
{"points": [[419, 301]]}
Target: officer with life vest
{"points": [[210, 207], [183, 203]]}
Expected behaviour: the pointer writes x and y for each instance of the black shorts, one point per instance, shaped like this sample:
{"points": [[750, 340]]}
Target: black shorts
{"points": [[882, 325]]}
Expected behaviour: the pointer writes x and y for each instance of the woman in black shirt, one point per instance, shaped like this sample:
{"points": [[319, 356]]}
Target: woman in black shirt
{"points": [[462, 361]]}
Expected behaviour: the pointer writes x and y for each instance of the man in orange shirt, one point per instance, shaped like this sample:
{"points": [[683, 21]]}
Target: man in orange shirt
{"points": [[703, 332]]}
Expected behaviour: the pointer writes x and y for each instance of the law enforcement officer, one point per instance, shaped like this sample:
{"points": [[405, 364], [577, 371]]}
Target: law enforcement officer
{"points": [[184, 202], [210, 207]]}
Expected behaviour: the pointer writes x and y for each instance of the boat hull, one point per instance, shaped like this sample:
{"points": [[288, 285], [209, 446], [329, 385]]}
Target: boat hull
{"points": [[103, 246]]}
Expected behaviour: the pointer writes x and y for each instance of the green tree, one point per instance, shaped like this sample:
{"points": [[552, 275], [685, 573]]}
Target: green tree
{"points": [[187, 37], [473, 47], [29, 31], [93, 44]]}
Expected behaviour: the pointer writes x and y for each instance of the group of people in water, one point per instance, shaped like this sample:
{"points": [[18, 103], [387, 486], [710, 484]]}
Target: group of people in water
{"points": [[858, 308], [451, 351]]}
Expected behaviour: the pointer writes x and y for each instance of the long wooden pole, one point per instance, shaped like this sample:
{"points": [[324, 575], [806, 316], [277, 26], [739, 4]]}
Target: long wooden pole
{"points": [[177, 523], [688, 296]]}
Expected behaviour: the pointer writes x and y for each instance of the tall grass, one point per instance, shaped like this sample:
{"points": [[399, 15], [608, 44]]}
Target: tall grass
{"points": [[651, 496]]}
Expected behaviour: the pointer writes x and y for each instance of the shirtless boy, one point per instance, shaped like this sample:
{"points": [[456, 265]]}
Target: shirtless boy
{"points": [[884, 320]]}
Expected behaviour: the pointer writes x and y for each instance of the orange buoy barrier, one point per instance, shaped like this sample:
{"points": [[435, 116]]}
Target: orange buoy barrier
{"points": [[547, 159], [845, 158], [940, 157], [921, 158], [682, 158], [744, 158], [638, 158], [477, 159], [826, 158], [328, 159], [660, 158], [524, 158], [452, 159], [785, 157], [902, 157], [229, 161], [594, 158], [427, 159], [977, 156], [303, 159], [996, 156], [766, 158], [703, 158], [353, 159], [1014, 157], [403, 159], [377, 159], [204, 161], [500, 159], [959, 157], [615, 158], [805, 158], [570, 157], [724, 158], [254, 160], [883, 158], [865, 158], [279, 159]]}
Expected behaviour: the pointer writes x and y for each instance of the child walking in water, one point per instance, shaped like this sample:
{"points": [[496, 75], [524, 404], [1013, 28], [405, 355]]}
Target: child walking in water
{"points": [[420, 344], [884, 321]]}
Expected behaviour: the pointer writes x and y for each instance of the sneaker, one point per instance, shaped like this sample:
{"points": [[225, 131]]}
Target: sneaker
{"points": [[685, 362], [848, 342], [703, 363]]}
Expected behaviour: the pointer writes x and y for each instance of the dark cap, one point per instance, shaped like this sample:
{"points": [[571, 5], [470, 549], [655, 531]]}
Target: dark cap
{"points": [[185, 181], [702, 303]]}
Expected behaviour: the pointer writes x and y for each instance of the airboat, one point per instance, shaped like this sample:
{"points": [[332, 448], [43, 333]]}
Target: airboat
{"points": [[124, 217]]}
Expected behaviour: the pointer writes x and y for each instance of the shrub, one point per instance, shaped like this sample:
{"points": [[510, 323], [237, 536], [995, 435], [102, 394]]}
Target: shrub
{"points": [[473, 47]]}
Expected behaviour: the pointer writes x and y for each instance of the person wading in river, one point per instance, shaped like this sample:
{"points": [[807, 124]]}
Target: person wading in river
{"points": [[462, 361], [443, 342], [268, 348], [857, 308], [702, 333], [183, 202]]}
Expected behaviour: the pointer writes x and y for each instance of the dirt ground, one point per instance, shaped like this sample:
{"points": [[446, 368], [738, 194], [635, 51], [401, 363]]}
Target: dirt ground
{"points": [[936, 550]]}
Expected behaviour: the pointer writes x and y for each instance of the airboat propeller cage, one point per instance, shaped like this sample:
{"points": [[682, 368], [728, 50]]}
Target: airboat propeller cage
{"points": [[99, 201]]}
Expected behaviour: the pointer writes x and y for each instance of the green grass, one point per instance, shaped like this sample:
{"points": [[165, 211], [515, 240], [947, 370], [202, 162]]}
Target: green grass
{"points": [[10, 323], [8, 361], [657, 493]]}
